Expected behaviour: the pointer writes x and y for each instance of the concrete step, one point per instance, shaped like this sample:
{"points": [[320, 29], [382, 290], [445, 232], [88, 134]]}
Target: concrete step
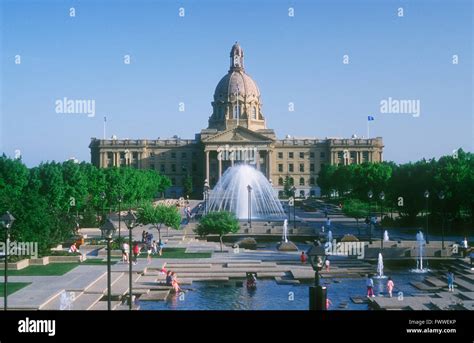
{"points": [[85, 301], [100, 286], [102, 306], [121, 286]]}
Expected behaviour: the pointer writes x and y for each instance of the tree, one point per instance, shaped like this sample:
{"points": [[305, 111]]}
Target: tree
{"points": [[287, 186], [188, 186], [159, 215], [217, 223], [356, 209]]}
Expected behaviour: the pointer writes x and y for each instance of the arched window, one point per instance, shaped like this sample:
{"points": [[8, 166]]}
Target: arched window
{"points": [[311, 181], [254, 112], [280, 181], [236, 111], [301, 181]]}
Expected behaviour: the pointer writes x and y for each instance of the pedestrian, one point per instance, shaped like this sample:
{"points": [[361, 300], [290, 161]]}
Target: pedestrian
{"points": [[125, 251], [136, 252], [149, 251], [144, 236], [303, 257], [154, 247], [450, 277], [327, 263], [390, 286], [370, 286], [160, 247], [328, 303], [169, 278]]}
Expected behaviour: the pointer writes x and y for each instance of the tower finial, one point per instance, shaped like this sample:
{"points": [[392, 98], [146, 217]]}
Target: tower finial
{"points": [[236, 57]]}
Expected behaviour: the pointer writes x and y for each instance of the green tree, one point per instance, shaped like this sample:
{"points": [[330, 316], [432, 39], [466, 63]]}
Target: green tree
{"points": [[217, 223], [188, 186], [356, 209], [159, 215]]}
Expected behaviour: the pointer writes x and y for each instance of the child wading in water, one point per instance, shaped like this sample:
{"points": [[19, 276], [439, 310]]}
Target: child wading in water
{"points": [[390, 286]]}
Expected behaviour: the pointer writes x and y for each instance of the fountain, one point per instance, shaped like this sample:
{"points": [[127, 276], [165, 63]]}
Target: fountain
{"points": [[420, 240], [231, 194], [380, 267], [385, 236], [285, 244]]}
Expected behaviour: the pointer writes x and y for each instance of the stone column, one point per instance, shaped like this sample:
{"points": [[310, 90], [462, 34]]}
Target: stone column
{"points": [[220, 166], [207, 166], [269, 164], [257, 156]]}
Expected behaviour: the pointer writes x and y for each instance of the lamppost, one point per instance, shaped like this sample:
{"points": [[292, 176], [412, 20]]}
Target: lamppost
{"points": [[370, 195], [427, 197], [293, 190], [249, 189], [441, 197], [382, 198], [206, 194], [108, 229], [102, 198], [6, 221], [131, 222], [317, 293]]}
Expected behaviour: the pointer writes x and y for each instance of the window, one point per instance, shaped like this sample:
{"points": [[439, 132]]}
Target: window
{"points": [[290, 155], [301, 181], [184, 168], [301, 167], [301, 154], [322, 155], [311, 154], [280, 168], [173, 155], [311, 167], [162, 168], [291, 181], [254, 112], [173, 168], [353, 156], [365, 156], [135, 155], [236, 111], [340, 155], [280, 155], [301, 194], [173, 181], [280, 181], [184, 155], [311, 181], [290, 168]]}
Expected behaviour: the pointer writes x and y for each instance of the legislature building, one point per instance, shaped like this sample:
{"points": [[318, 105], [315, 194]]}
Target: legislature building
{"points": [[236, 133]]}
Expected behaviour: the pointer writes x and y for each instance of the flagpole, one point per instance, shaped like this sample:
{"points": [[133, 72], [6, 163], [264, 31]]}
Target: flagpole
{"points": [[105, 121], [368, 129]]}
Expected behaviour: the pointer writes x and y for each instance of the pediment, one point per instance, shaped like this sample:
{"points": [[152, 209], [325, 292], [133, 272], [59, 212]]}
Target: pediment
{"points": [[238, 135]]}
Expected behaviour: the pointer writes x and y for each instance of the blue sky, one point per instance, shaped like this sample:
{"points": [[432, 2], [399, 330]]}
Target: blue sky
{"points": [[181, 59]]}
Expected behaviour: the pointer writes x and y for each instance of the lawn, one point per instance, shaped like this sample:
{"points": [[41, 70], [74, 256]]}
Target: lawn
{"points": [[12, 287], [179, 253], [52, 269], [98, 262]]}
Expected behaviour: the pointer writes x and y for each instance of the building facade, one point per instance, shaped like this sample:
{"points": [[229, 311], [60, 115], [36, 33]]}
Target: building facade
{"points": [[237, 133]]}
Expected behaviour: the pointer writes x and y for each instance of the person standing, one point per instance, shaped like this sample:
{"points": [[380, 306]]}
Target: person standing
{"points": [[390, 286], [327, 263], [450, 277], [303, 257], [370, 287]]}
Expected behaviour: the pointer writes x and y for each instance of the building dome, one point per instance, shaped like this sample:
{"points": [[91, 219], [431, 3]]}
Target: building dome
{"points": [[236, 97], [236, 83]]}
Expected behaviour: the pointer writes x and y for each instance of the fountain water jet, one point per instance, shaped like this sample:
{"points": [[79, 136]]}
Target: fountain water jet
{"points": [[231, 194], [385, 236], [380, 267], [420, 240]]}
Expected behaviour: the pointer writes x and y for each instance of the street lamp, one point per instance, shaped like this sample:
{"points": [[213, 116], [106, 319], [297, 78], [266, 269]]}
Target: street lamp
{"points": [[249, 189], [382, 198], [293, 190], [206, 194], [427, 197], [130, 220], [370, 195], [108, 229], [317, 293], [120, 199], [6, 221], [441, 197]]}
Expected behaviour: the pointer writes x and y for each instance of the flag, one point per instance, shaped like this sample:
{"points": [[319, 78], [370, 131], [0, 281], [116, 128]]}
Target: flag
{"points": [[370, 118]]}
